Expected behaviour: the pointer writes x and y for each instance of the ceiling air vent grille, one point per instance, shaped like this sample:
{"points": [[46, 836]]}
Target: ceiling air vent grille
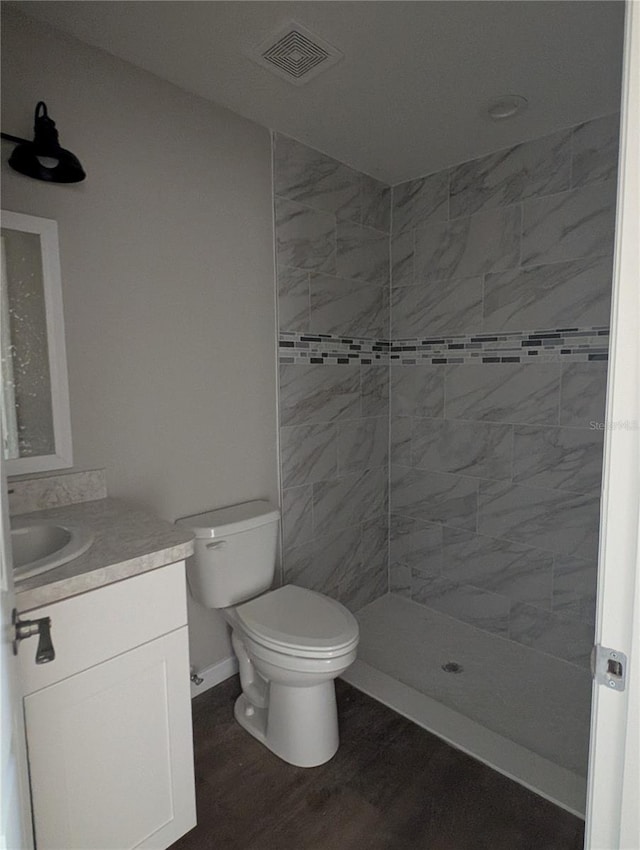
{"points": [[295, 54]]}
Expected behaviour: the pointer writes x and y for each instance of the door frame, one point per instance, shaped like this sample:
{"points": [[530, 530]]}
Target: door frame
{"points": [[613, 789], [16, 831]]}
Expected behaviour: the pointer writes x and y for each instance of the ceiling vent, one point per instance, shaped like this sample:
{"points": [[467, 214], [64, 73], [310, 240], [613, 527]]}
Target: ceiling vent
{"points": [[295, 54]]}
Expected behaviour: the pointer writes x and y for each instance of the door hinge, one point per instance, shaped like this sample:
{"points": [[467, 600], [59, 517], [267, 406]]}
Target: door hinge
{"points": [[609, 667]]}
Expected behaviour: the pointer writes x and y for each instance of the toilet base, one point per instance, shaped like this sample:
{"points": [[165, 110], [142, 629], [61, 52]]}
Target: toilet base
{"points": [[253, 719], [299, 725]]}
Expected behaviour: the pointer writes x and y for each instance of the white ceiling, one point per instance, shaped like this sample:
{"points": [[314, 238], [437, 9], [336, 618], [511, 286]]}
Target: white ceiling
{"points": [[410, 95]]}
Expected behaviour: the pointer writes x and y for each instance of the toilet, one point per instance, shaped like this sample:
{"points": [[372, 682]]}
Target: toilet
{"points": [[291, 642]]}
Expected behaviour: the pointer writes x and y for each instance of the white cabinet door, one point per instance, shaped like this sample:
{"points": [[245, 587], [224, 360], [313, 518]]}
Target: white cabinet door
{"points": [[110, 752]]}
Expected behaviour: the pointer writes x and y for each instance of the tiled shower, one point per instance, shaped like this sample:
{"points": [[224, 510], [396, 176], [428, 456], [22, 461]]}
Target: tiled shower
{"points": [[332, 251], [443, 348]]}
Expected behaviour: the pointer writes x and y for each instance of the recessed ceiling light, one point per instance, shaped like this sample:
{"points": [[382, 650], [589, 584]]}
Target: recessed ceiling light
{"points": [[506, 106]]}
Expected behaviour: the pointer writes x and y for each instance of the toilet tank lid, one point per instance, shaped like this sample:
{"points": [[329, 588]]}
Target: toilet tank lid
{"points": [[232, 519]]}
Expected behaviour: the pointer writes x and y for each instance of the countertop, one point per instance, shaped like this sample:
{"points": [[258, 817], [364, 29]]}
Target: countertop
{"points": [[128, 541]]}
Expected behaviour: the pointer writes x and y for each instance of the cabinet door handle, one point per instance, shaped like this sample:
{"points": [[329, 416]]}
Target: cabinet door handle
{"points": [[216, 544], [26, 628]]}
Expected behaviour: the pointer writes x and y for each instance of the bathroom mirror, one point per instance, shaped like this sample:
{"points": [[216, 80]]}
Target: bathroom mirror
{"points": [[35, 395]]}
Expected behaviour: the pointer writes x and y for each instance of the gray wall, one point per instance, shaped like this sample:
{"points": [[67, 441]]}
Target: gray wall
{"points": [[332, 251], [496, 465], [168, 280]]}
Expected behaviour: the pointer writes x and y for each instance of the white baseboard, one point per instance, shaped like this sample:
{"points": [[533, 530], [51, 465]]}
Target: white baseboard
{"points": [[214, 674]]}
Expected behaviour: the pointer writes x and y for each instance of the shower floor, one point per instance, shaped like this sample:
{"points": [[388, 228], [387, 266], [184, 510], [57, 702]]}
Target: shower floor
{"points": [[522, 712]]}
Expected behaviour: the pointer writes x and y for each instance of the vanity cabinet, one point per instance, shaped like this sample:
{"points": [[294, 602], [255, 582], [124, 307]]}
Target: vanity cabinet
{"points": [[109, 720]]}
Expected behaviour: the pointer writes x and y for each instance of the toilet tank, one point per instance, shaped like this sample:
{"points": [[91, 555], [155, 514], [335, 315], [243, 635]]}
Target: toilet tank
{"points": [[234, 553]]}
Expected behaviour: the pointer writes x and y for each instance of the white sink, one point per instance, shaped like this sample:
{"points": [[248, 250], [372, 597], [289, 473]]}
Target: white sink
{"points": [[39, 545]]}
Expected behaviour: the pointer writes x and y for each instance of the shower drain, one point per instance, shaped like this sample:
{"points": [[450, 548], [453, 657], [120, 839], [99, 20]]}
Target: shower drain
{"points": [[452, 667]]}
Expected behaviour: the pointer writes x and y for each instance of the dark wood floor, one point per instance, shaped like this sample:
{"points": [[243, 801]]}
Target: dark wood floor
{"points": [[391, 786]]}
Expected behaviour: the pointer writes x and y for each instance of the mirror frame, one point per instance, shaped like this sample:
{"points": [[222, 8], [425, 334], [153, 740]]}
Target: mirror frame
{"points": [[47, 230]]}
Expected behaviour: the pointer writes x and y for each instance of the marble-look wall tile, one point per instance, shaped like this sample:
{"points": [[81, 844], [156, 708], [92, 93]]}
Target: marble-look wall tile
{"points": [[322, 563], [348, 307], [371, 580], [417, 391], [293, 299], [376, 204], [298, 567], [434, 496], [445, 306], [306, 175], [415, 544], [575, 586], [297, 519], [420, 201], [487, 611], [595, 150], [400, 579], [349, 565], [554, 633], [362, 253], [350, 500], [362, 587], [571, 294], [477, 449], [531, 169], [570, 225], [583, 389], [521, 573], [564, 523], [401, 429], [402, 254], [558, 458], [466, 247], [314, 394], [374, 389], [308, 453], [504, 392], [305, 237], [363, 444], [310, 177]]}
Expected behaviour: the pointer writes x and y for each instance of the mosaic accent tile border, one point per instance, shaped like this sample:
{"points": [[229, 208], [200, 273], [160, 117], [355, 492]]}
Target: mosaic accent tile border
{"points": [[324, 348], [555, 345], [566, 345]]}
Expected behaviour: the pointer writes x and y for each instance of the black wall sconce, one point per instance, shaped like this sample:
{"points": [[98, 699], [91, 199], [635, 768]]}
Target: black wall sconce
{"points": [[43, 158]]}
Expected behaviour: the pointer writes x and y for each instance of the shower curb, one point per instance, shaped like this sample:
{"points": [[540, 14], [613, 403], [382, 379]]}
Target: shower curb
{"points": [[556, 784]]}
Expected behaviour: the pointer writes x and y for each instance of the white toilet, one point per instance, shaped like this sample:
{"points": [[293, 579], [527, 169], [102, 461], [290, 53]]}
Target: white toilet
{"points": [[291, 643]]}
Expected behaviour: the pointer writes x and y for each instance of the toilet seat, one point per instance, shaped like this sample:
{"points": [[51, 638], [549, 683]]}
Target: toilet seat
{"points": [[299, 622]]}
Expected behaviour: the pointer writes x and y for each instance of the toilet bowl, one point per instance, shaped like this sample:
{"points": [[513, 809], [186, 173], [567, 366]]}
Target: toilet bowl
{"points": [[288, 699], [291, 643]]}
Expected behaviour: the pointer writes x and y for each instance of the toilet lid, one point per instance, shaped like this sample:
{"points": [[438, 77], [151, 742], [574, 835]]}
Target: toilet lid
{"points": [[299, 621]]}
